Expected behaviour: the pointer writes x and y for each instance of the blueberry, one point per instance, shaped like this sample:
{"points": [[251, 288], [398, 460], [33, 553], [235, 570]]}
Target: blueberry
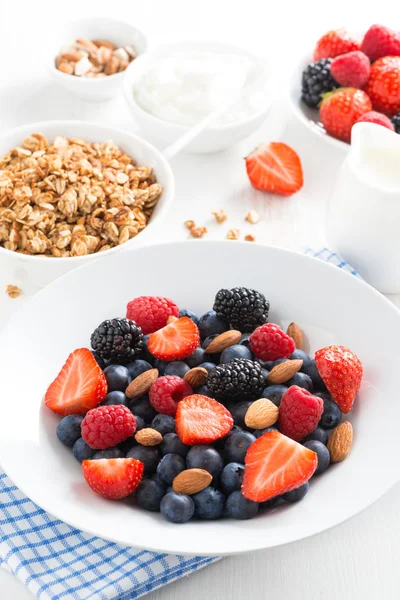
{"points": [[210, 324], [302, 380], [115, 397], [259, 432], [324, 458], [169, 467], [318, 434], [164, 424], [195, 359], [146, 354], [82, 451], [239, 507], [208, 366], [265, 374], [297, 494], [207, 458], [215, 357], [265, 364], [236, 351], [148, 455], [188, 313], [171, 444], [332, 414], [238, 411], [245, 340], [274, 393], [271, 503], [117, 377], [100, 361], [279, 361], [69, 429], [177, 508], [161, 365], [109, 453], [137, 367], [312, 371], [231, 477], [204, 391], [219, 444], [149, 494], [301, 355], [141, 407], [177, 368], [236, 446], [209, 503]]}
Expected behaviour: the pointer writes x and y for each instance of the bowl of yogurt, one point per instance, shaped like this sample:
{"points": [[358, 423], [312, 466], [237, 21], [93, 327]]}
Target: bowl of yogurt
{"points": [[173, 87]]}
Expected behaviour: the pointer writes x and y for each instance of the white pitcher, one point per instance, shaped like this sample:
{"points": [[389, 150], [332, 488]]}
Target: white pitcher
{"points": [[363, 218]]}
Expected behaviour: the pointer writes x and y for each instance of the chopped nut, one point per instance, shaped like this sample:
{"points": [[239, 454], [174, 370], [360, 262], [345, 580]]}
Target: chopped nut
{"points": [[250, 238], [220, 215], [94, 58], [198, 232], [189, 224], [233, 234], [252, 217], [13, 291]]}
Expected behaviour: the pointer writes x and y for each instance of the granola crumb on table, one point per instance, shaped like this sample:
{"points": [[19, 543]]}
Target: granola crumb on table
{"points": [[233, 234], [220, 215], [72, 197], [252, 217], [250, 237], [13, 291]]}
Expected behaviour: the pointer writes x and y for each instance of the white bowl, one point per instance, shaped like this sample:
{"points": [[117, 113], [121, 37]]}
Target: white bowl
{"points": [[40, 270], [212, 139], [118, 32], [331, 307]]}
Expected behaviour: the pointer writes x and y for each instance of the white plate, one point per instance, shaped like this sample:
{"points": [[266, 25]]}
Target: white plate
{"points": [[330, 305]]}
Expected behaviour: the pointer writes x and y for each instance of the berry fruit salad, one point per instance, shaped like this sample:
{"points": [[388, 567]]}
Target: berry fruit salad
{"points": [[222, 415]]}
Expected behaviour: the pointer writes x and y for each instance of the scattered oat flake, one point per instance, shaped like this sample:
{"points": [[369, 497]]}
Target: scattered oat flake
{"points": [[198, 232], [189, 224], [220, 215], [252, 217], [250, 238], [13, 291], [233, 234]]}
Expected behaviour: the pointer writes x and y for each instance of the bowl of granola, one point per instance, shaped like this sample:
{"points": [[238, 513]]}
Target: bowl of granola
{"points": [[74, 192]]}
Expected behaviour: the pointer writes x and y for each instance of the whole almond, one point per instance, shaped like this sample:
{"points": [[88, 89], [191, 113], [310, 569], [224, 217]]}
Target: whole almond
{"points": [[141, 384], [104, 43], [87, 44], [284, 371], [262, 413], [223, 341], [191, 481], [148, 437], [112, 66], [171, 319], [296, 334], [340, 441], [72, 56], [196, 377]]}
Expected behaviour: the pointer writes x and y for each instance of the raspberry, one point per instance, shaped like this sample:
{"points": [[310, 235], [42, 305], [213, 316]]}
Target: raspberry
{"points": [[166, 392], [151, 312], [269, 342], [299, 412], [351, 69], [106, 426], [376, 117], [380, 41]]}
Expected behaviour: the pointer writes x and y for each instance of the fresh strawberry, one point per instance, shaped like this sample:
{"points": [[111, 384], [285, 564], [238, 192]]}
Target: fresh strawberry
{"points": [[299, 412], [274, 465], [377, 118], [175, 341], [341, 371], [202, 420], [341, 108], [79, 386], [333, 43], [151, 312], [351, 69], [113, 478], [275, 168], [380, 41], [383, 86], [269, 342]]}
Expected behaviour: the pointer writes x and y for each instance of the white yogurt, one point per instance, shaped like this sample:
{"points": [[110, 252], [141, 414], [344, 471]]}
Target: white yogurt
{"points": [[184, 87]]}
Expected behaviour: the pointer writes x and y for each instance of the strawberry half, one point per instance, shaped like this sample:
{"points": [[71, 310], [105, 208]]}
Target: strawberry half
{"points": [[175, 341], [274, 465], [201, 420], [79, 386], [341, 371], [113, 478], [275, 168]]}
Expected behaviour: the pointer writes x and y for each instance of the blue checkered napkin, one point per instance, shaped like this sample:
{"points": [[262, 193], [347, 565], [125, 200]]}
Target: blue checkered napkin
{"points": [[58, 562]]}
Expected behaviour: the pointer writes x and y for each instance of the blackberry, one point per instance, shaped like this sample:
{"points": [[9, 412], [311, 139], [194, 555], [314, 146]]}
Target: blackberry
{"points": [[245, 309], [239, 378], [396, 122], [317, 80], [120, 340]]}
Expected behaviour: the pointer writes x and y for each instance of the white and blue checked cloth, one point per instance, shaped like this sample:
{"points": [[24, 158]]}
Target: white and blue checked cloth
{"points": [[59, 562]]}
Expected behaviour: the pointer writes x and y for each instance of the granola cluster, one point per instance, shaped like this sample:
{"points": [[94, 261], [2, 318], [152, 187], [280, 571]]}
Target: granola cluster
{"points": [[97, 58], [72, 197]]}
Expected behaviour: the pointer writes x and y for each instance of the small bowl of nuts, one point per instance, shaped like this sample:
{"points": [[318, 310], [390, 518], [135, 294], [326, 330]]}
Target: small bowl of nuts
{"points": [[74, 192], [90, 56]]}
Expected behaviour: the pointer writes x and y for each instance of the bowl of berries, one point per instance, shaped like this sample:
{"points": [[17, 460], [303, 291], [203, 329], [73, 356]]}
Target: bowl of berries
{"points": [[346, 80], [207, 411]]}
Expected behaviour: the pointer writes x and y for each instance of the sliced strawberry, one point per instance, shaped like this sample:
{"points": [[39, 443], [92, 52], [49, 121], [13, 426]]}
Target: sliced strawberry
{"points": [[274, 465], [113, 478], [275, 168], [175, 341], [341, 371], [79, 386], [201, 420]]}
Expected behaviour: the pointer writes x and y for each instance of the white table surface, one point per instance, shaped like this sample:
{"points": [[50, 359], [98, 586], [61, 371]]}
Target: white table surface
{"points": [[359, 559]]}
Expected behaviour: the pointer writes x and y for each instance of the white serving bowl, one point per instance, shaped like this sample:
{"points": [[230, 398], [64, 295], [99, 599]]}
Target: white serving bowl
{"points": [[37, 271], [118, 32], [330, 306], [213, 139]]}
